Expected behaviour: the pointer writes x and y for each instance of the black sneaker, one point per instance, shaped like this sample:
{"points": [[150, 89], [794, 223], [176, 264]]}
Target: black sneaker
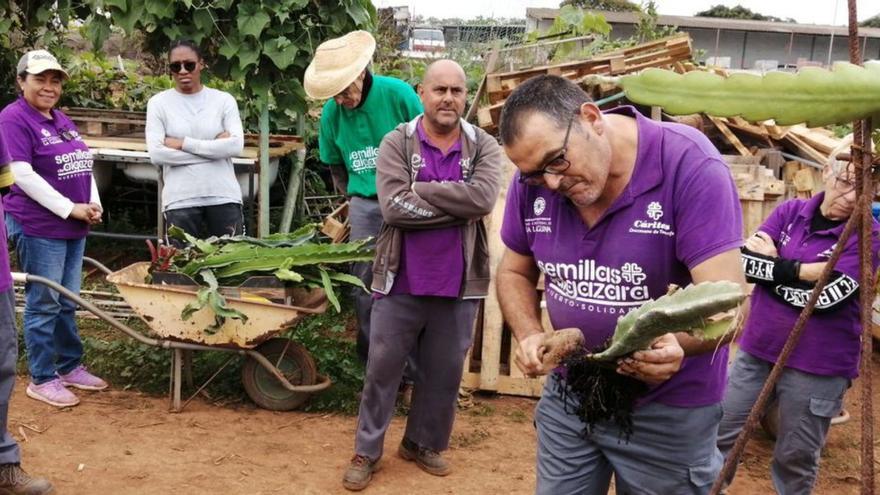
{"points": [[431, 461], [359, 473], [15, 481]]}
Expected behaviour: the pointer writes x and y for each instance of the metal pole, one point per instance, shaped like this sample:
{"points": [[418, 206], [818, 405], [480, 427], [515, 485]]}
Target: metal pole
{"points": [[293, 182], [833, 22], [263, 225], [862, 158]]}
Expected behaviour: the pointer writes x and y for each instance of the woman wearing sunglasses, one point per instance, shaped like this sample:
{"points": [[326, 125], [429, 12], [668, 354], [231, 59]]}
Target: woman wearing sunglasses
{"points": [[193, 132], [48, 213]]}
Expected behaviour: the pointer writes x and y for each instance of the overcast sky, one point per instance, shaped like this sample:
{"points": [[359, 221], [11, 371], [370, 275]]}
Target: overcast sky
{"points": [[804, 11]]}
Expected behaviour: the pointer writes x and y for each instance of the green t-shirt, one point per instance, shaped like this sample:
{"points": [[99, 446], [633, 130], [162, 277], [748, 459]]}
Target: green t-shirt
{"points": [[353, 136]]}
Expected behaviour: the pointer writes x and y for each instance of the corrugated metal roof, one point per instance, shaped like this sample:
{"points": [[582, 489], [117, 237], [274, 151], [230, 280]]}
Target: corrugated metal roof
{"points": [[718, 23]]}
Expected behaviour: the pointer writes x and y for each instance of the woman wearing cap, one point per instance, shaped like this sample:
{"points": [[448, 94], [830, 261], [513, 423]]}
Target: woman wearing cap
{"points": [[48, 213], [361, 108], [193, 132], [784, 259]]}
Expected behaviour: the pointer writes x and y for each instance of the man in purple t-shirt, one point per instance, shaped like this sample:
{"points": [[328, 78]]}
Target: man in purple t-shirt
{"points": [[784, 259], [436, 177], [611, 208]]}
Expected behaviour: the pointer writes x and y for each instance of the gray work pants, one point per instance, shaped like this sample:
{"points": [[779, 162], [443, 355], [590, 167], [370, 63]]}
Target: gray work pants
{"points": [[440, 330], [365, 219], [807, 402], [9, 452], [672, 450]]}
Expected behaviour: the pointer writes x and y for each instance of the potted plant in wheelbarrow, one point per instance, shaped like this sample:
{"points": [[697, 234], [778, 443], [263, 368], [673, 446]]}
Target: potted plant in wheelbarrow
{"points": [[236, 293]]}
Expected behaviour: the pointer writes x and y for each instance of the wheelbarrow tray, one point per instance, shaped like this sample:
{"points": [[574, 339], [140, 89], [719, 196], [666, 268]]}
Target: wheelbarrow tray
{"points": [[161, 305]]}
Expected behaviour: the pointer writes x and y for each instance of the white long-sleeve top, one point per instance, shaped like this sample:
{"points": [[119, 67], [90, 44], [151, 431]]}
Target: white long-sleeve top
{"points": [[43, 193], [201, 174]]}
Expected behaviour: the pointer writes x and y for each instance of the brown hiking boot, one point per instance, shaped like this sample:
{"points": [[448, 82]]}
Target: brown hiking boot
{"points": [[359, 473], [14, 481], [429, 460]]}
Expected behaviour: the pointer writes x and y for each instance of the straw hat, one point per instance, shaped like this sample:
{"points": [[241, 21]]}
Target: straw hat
{"points": [[337, 63]]}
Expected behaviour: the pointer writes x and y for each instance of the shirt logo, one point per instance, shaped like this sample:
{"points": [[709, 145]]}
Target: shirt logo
{"points": [[655, 211], [539, 224], [363, 161], [586, 284], [827, 253], [540, 204], [652, 225], [45, 133]]}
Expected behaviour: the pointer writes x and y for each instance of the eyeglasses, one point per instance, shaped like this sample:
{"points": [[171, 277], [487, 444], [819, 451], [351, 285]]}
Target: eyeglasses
{"points": [[175, 67], [346, 93], [844, 185], [554, 166]]}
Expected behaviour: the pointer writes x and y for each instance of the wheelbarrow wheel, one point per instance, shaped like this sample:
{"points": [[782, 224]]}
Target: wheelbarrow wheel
{"points": [[293, 361]]}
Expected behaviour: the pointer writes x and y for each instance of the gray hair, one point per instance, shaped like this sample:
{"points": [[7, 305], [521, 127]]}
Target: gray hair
{"points": [[554, 96], [839, 166]]}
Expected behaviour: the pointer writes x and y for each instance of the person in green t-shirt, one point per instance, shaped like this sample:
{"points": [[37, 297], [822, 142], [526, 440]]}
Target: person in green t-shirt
{"points": [[361, 108]]}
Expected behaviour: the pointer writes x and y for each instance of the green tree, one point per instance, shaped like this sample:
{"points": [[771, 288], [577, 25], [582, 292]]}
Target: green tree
{"points": [[25, 25], [265, 45], [739, 12], [607, 5], [873, 22]]}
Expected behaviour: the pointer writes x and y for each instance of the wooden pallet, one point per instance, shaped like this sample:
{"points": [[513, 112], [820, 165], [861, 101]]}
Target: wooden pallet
{"points": [[664, 52], [123, 129], [489, 364]]}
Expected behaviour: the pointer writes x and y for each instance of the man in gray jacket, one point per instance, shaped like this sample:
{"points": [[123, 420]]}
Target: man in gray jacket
{"points": [[437, 176]]}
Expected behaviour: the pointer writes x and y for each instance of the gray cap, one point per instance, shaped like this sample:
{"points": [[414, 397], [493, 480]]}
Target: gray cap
{"points": [[39, 61]]}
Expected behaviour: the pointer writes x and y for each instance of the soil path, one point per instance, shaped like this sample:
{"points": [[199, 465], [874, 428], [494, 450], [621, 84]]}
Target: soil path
{"points": [[128, 443]]}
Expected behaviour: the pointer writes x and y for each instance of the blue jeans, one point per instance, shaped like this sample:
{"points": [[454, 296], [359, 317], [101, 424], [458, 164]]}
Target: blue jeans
{"points": [[50, 333]]}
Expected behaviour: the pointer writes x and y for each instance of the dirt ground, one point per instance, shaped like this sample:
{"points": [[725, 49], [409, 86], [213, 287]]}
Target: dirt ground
{"points": [[127, 443]]}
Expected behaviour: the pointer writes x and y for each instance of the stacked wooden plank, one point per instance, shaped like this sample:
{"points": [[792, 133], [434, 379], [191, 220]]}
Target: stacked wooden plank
{"points": [[664, 52], [123, 129]]}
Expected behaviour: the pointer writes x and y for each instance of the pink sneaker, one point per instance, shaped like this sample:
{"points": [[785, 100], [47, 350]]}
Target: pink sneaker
{"points": [[53, 393], [80, 378]]}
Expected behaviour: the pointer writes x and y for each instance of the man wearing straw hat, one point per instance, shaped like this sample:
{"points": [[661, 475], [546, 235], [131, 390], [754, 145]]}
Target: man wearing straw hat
{"points": [[361, 108]]}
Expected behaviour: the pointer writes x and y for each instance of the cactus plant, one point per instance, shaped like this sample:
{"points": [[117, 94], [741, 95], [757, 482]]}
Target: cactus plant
{"points": [[814, 96], [591, 385]]}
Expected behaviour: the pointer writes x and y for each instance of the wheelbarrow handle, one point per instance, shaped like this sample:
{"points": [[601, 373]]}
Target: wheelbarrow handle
{"points": [[323, 381], [73, 296], [97, 264]]}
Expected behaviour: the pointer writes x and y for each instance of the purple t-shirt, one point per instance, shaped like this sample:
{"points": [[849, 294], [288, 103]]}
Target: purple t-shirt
{"points": [[679, 209], [830, 342], [432, 261], [5, 276], [57, 153]]}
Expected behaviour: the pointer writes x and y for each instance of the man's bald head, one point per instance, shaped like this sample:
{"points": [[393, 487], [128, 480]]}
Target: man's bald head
{"points": [[443, 68], [444, 94]]}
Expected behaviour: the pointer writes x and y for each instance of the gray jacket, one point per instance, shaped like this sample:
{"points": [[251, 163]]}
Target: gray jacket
{"points": [[410, 205]]}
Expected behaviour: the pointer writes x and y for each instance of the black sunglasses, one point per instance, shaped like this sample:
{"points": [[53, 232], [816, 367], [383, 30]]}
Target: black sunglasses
{"points": [[554, 166], [176, 66]]}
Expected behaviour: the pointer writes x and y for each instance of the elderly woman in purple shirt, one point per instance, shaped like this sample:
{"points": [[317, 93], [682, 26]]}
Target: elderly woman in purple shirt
{"points": [[784, 259], [48, 213]]}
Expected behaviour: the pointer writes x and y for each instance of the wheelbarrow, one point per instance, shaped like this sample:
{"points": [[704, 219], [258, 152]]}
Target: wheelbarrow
{"points": [[278, 374]]}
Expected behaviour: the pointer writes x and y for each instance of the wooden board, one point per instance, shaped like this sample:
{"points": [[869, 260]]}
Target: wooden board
{"points": [[494, 370], [730, 136], [279, 145], [659, 53]]}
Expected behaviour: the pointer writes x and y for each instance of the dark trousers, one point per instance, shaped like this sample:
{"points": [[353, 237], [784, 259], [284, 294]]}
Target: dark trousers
{"points": [[9, 452], [439, 330], [206, 221]]}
